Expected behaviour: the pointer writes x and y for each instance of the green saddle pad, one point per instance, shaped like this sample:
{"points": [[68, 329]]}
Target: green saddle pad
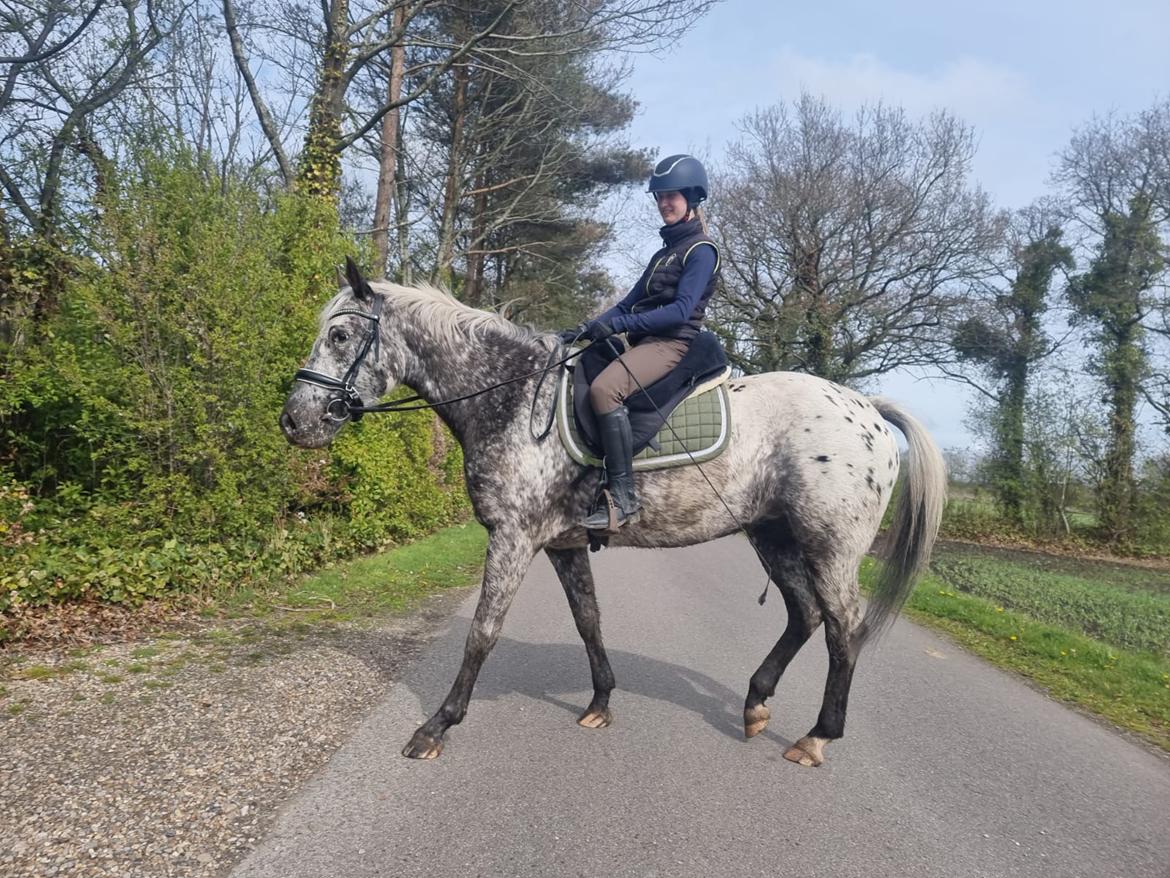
{"points": [[700, 424]]}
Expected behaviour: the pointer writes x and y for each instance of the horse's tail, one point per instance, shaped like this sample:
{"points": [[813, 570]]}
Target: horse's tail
{"points": [[916, 521]]}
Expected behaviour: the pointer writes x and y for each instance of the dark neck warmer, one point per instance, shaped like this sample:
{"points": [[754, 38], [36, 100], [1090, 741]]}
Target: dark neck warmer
{"points": [[679, 231]]}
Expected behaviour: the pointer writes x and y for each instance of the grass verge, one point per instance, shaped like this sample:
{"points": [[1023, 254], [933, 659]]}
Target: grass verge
{"points": [[1126, 687], [365, 588]]}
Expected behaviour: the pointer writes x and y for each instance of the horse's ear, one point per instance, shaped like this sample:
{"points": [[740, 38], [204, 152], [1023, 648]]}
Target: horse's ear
{"points": [[357, 283]]}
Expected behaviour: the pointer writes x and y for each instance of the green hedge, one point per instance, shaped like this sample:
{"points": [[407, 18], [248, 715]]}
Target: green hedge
{"points": [[139, 447]]}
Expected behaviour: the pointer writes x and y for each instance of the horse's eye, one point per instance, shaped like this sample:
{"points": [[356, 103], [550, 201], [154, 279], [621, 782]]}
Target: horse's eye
{"points": [[337, 335]]}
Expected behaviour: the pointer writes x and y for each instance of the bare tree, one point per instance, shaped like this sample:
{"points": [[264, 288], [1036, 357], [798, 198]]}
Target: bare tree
{"points": [[848, 244], [350, 39], [263, 114], [66, 63], [507, 152], [388, 147]]}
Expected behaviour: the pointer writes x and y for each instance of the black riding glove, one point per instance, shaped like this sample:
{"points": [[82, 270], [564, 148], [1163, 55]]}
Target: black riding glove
{"points": [[599, 329], [568, 336]]}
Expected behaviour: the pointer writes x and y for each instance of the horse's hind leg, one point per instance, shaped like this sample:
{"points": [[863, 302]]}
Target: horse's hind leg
{"points": [[508, 557], [787, 569], [837, 594], [572, 566]]}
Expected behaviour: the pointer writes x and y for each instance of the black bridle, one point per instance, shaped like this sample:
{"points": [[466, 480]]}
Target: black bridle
{"points": [[348, 404]]}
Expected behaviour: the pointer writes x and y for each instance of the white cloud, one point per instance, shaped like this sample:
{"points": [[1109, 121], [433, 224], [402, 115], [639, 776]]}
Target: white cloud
{"points": [[1016, 131], [973, 89]]}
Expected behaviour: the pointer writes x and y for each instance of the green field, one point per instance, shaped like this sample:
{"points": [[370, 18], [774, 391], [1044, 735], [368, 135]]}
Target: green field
{"points": [[1124, 606]]}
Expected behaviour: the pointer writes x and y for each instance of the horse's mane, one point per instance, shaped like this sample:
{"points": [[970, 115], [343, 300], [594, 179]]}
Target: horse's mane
{"points": [[442, 313]]}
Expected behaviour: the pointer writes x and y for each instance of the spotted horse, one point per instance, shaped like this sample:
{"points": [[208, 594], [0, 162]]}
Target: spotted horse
{"points": [[808, 473]]}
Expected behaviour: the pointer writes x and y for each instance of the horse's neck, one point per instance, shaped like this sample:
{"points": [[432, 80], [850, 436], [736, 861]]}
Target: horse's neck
{"points": [[466, 364]]}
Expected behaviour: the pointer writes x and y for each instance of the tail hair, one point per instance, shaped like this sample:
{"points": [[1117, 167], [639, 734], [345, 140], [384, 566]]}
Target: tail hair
{"points": [[917, 516]]}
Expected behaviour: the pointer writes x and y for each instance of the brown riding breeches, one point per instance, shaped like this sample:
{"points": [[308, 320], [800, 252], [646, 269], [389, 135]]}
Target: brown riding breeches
{"points": [[648, 360]]}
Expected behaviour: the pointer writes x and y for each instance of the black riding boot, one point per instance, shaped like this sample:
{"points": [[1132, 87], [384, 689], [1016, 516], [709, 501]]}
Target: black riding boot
{"points": [[617, 505]]}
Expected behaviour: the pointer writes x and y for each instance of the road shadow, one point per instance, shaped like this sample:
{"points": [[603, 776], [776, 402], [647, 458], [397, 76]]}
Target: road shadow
{"points": [[558, 674]]}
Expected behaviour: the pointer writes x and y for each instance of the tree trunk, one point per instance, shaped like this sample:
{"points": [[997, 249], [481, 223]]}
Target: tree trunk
{"points": [[1010, 485], [818, 342], [320, 170], [388, 159], [473, 292], [402, 219], [445, 254], [1123, 376], [267, 125]]}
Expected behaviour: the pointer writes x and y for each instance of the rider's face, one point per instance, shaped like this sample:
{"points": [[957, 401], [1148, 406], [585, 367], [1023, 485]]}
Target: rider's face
{"points": [[671, 205]]}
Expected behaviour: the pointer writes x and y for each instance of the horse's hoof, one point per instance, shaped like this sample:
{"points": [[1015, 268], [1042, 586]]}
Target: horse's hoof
{"points": [[423, 747], [755, 720], [808, 751], [595, 719]]}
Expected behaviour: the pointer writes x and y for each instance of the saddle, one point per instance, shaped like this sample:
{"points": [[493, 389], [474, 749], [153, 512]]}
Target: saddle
{"points": [[683, 416]]}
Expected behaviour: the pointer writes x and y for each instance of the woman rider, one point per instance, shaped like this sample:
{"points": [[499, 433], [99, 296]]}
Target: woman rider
{"points": [[661, 314]]}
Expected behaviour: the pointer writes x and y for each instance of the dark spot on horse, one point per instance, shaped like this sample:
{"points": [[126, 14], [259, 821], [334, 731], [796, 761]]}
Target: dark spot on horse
{"points": [[849, 419], [830, 399], [849, 465], [822, 458], [737, 389], [891, 463], [808, 429]]}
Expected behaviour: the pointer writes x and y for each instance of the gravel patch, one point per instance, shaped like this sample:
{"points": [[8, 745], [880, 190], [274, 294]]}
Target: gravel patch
{"points": [[172, 755]]}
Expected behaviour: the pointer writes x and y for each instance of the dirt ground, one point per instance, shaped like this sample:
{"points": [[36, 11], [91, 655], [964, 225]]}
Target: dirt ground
{"points": [[169, 753]]}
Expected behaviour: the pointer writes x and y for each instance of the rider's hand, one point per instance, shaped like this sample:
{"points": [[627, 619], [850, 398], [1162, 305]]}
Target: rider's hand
{"points": [[568, 336], [598, 330]]}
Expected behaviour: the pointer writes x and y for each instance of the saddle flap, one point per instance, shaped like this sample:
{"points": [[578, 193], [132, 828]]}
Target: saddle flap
{"points": [[697, 429]]}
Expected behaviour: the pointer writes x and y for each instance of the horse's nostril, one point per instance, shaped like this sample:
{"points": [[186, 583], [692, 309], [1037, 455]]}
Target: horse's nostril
{"points": [[287, 424]]}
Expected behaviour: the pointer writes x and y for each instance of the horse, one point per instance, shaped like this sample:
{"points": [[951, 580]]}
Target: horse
{"points": [[808, 474]]}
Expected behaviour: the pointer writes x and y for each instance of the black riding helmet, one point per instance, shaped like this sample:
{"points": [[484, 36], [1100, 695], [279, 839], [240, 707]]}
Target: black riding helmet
{"points": [[680, 173]]}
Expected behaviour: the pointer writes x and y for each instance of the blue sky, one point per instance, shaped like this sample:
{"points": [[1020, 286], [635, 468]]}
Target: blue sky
{"points": [[1024, 74]]}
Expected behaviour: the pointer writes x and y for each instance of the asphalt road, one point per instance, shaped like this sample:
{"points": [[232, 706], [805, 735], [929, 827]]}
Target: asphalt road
{"points": [[948, 768]]}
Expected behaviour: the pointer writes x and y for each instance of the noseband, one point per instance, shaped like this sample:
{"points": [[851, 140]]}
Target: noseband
{"points": [[348, 405]]}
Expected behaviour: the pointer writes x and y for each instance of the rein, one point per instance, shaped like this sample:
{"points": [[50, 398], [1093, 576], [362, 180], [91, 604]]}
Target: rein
{"points": [[349, 405], [407, 404]]}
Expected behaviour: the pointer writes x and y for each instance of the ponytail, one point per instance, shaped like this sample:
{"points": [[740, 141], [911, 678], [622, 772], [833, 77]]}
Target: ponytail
{"points": [[701, 216]]}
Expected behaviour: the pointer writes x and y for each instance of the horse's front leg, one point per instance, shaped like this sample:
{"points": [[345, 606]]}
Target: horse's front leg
{"points": [[508, 557], [572, 566]]}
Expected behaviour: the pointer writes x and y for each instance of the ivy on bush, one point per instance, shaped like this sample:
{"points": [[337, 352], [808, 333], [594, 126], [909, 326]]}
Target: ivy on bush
{"points": [[139, 447]]}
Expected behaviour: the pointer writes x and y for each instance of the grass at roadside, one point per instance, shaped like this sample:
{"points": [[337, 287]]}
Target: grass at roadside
{"points": [[1127, 687], [392, 581], [1121, 606]]}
